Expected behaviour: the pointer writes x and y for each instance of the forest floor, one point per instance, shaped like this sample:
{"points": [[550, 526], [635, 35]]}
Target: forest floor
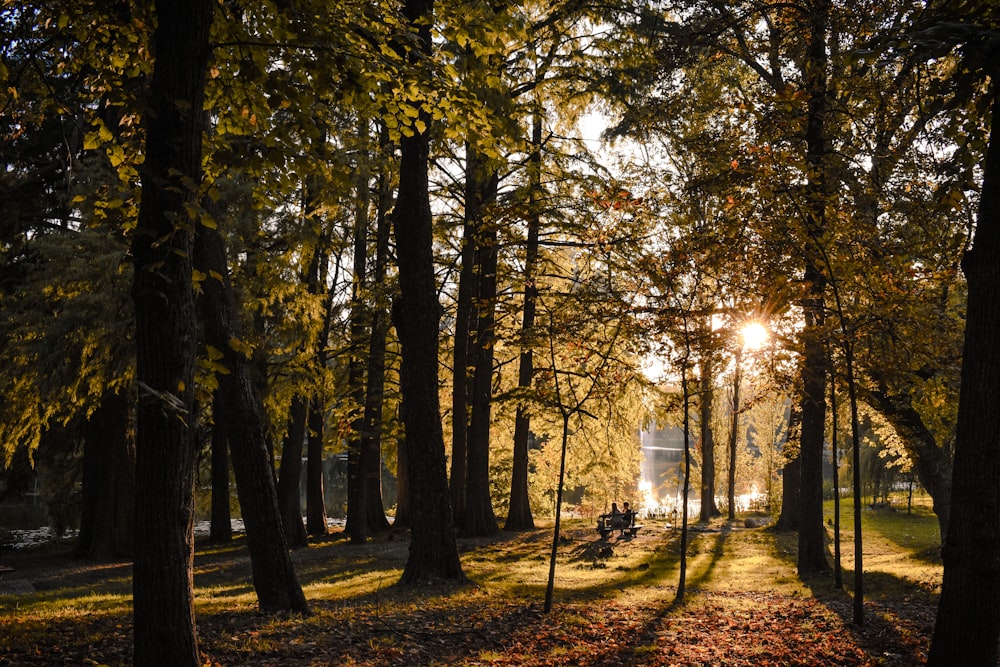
{"points": [[614, 603]]}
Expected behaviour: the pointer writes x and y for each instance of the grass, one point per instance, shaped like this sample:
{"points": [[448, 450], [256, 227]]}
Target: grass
{"points": [[614, 603], [899, 547]]}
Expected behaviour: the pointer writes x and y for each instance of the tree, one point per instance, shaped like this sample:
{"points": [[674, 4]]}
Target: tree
{"points": [[107, 521], [967, 627], [433, 550], [165, 337], [239, 408]]}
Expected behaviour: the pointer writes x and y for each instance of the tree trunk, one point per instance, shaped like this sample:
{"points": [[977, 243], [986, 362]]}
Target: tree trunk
{"points": [[812, 533], [357, 463], [433, 550], [789, 518], [478, 518], [163, 576], [403, 518], [968, 619], [221, 529], [734, 433], [375, 374], [315, 493], [107, 516], [929, 459], [290, 475], [519, 512], [460, 386], [708, 506], [240, 407]]}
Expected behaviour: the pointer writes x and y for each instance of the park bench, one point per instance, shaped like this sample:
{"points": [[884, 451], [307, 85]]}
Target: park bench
{"points": [[609, 523]]}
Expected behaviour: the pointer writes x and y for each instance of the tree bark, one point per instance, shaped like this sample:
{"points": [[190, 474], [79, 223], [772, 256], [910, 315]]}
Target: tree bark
{"points": [[375, 374], [734, 428], [789, 518], [163, 576], [478, 518], [519, 512], [290, 475], [812, 533], [433, 550], [221, 528], [107, 516], [315, 489], [240, 407], [460, 385], [968, 620], [708, 506]]}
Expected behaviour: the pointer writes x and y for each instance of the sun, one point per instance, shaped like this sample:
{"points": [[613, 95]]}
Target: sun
{"points": [[754, 335]]}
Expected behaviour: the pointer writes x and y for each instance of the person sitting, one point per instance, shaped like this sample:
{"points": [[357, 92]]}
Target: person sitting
{"points": [[628, 516]]}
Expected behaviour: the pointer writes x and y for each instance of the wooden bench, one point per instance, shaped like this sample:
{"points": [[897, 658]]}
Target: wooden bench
{"points": [[609, 523], [4, 569]]}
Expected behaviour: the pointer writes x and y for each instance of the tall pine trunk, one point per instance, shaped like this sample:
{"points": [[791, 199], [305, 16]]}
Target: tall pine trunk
{"points": [[163, 576]]}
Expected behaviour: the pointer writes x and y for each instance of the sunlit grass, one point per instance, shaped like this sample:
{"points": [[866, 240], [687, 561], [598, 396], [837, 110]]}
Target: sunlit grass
{"points": [[900, 547]]}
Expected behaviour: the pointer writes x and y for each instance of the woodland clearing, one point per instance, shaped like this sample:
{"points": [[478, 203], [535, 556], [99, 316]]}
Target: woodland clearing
{"points": [[614, 603]]}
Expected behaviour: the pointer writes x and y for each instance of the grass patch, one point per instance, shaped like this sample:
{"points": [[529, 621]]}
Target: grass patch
{"points": [[901, 549]]}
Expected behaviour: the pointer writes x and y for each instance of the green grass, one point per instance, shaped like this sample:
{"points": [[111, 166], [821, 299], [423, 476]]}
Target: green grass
{"points": [[900, 548]]}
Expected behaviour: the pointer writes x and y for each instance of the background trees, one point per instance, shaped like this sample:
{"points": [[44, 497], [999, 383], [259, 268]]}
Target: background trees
{"points": [[771, 153]]}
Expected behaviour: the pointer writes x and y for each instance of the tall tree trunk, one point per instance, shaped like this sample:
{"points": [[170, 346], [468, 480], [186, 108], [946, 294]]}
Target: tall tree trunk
{"points": [[375, 374], [464, 312], [240, 407], [968, 619], [290, 474], [812, 533], [315, 490], [789, 518], [478, 518], [404, 516], [708, 506], [519, 512], [357, 463], [163, 576], [734, 434], [221, 528], [107, 517], [433, 550]]}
